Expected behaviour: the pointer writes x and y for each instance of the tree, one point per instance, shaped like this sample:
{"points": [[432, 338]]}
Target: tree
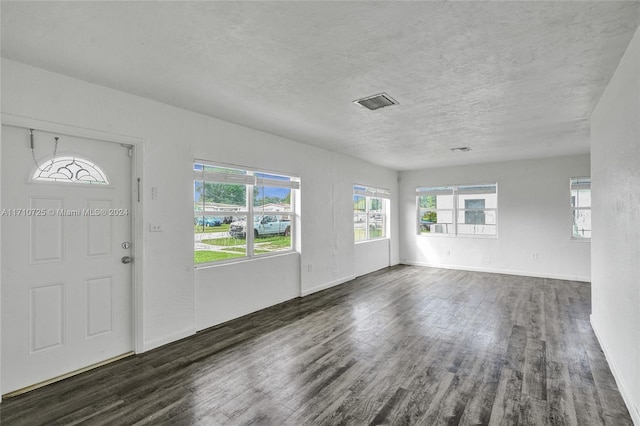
{"points": [[359, 203], [429, 202], [224, 193]]}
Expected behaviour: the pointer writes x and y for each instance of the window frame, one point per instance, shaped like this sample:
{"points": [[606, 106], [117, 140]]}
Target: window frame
{"points": [[435, 191], [251, 179], [455, 191], [579, 184], [44, 167], [474, 213], [369, 193]]}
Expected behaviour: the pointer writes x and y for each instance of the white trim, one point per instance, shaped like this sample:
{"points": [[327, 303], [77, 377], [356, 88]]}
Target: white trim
{"points": [[473, 189], [369, 191], [498, 271], [325, 286], [455, 194], [372, 193], [372, 240], [582, 185], [137, 235], [221, 177], [634, 411], [80, 132], [574, 209], [275, 183], [436, 190], [581, 240], [197, 160], [222, 263], [251, 212]]}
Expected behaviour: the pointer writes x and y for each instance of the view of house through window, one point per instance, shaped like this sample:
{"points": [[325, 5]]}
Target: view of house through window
{"points": [[458, 210], [474, 212], [581, 207], [241, 213], [370, 213], [435, 206]]}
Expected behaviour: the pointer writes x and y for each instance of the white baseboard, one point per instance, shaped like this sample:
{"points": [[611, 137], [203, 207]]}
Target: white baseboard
{"points": [[498, 271], [306, 292], [633, 409], [168, 339]]}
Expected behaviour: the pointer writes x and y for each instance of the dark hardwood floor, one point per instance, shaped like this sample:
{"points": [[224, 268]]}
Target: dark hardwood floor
{"points": [[406, 345]]}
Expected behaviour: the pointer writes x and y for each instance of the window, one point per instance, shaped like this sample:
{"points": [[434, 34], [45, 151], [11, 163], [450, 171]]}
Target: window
{"points": [[581, 207], [474, 212], [436, 211], [227, 200], [70, 169], [458, 210], [370, 212]]}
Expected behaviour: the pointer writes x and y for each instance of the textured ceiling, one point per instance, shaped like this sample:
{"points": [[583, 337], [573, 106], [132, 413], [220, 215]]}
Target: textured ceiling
{"points": [[511, 80]]}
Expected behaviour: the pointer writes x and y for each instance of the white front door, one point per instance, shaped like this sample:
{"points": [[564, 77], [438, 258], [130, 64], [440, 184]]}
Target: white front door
{"points": [[66, 293]]}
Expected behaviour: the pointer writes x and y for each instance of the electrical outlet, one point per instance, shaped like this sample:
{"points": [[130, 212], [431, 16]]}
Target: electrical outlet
{"points": [[154, 192], [155, 227], [534, 256], [309, 267]]}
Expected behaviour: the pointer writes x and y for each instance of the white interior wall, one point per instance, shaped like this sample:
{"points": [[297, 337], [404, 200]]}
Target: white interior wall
{"points": [[173, 138], [372, 256], [534, 218], [615, 147], [327, 253], [1, 207]]}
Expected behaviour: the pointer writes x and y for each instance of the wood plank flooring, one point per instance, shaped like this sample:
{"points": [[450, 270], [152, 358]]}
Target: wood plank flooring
{"points": [[402, 346]]}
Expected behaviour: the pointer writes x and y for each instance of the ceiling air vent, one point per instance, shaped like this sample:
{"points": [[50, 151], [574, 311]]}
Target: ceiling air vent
{"points": [[375, 102], [461, 149]]}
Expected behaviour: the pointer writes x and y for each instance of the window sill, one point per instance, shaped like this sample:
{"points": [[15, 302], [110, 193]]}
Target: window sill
{"points": [[372, 240], [482, 237], [581, 240], [243, 260]]}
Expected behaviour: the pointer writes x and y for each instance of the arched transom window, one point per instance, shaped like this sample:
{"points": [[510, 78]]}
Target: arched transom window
{"points": [[70, 169]]}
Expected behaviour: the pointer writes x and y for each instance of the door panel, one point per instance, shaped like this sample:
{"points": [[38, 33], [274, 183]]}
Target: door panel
{"points": [[66, 296], [46, 317], [99, 304], [98, 229], [46, 233]]}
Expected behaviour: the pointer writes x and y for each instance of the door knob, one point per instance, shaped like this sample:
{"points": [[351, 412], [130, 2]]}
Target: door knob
{"points": [[127, 259]]}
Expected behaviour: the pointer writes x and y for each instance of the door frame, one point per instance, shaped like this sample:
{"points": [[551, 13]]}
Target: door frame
{"points": [[137, 147]]}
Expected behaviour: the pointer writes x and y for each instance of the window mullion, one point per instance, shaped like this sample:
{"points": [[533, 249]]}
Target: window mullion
{"points": [[249, 229], [455, 212], [227, 185], [366, 211], [465, 205]]}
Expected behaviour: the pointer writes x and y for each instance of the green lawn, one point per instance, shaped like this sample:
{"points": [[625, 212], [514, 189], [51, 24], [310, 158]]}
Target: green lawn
{"points": [[273, 243], [200, 229], [262, 245], [224, 241], [202, 256], [242, 250]]}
